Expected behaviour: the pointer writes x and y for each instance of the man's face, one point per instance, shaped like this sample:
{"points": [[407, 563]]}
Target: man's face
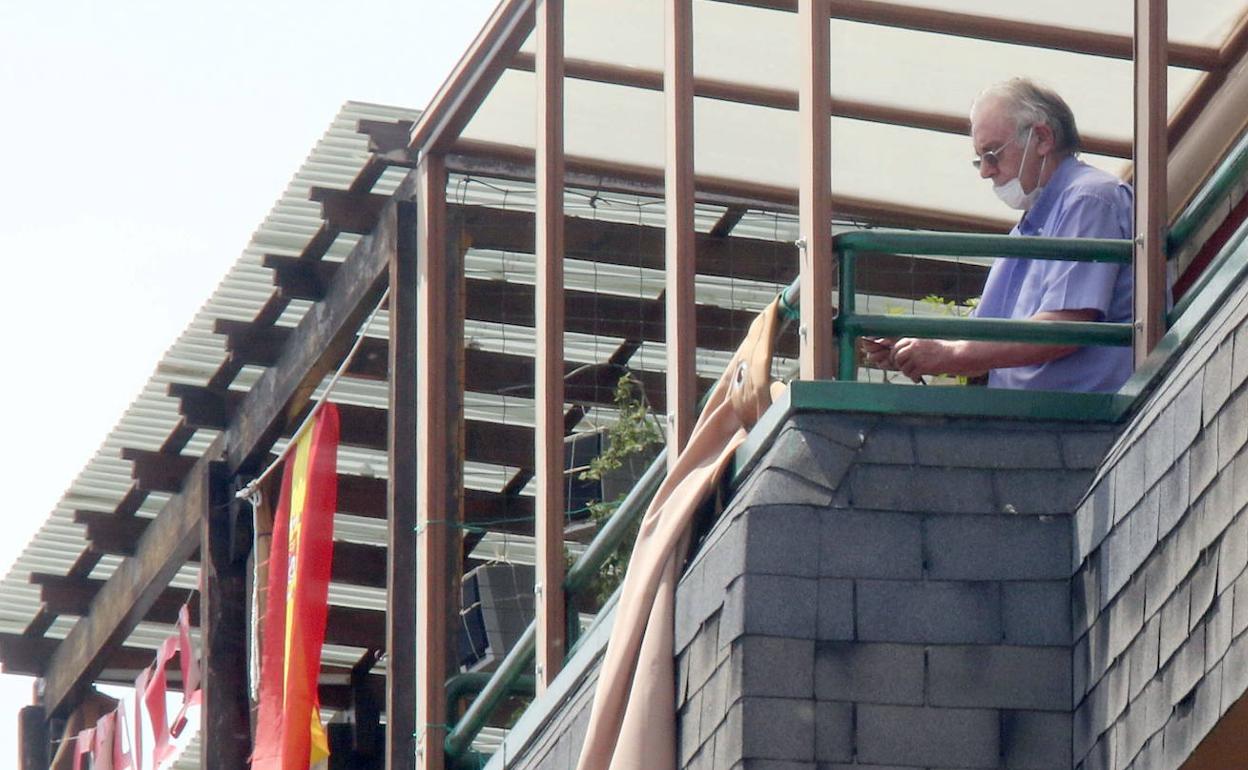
{"points": [[993, 130]]}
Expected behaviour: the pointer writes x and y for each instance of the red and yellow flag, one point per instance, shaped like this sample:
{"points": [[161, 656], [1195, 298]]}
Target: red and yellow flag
{"points": [[289, 732]]}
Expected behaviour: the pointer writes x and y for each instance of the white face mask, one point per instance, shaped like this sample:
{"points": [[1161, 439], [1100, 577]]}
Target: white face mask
{"points": [[1011, 193]]}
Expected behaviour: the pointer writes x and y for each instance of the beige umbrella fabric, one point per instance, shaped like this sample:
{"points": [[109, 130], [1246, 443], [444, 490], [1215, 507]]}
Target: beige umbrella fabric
{"points": [[633, 721]]}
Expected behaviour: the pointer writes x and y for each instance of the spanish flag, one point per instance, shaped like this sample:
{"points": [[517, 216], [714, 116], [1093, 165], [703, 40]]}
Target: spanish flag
{"points": [[289, 732]]}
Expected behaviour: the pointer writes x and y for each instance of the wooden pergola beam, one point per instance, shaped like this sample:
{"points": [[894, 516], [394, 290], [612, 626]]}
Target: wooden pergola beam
{"points": [[25, 655], [473, 77], [439, 388], [680, 256], [815, 340], [1206, 90], [995, 29], [618, 243], [504, 161], [486, 371], [28, 656], [316, 346], [349, 626], [401, 492], [786, 99], [496, 301], [318, 342], [354, 563], [633, 245], [362, 426], [66, 595], [357, 496], [549, 311], [119, 606], [1151, 153]]}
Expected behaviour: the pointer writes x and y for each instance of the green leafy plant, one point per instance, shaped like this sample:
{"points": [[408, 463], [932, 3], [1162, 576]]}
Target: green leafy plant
{"points": [[941, 306], [631, 439], [949, 306]]}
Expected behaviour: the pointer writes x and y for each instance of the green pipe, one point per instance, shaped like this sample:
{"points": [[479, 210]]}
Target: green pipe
{"points": [[847, 363], [469, 682], [500, 685], [612, 534], [471, 760], [520, 658], [1214, 267], [1002, 330], [976, 245], [1211, 197]]}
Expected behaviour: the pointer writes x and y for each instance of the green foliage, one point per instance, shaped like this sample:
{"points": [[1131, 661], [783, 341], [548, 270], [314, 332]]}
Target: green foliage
{"points": [[634, 433], [942, 306], [948, 306]]}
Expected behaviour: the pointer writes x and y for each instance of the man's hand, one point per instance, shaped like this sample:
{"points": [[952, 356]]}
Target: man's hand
{"points": [[881, 352], [915, 357], [878, 352]]}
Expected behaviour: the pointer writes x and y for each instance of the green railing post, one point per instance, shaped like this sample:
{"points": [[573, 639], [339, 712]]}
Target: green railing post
{"points": [[847, 362]]}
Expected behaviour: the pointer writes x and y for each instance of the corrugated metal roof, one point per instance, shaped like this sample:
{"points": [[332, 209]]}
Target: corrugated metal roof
{"points": [[193, 358]]}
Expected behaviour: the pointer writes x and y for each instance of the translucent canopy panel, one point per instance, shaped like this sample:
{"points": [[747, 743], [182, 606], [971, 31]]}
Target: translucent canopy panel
{"points": [[1196, 22], [894, 165], [924, 82]]}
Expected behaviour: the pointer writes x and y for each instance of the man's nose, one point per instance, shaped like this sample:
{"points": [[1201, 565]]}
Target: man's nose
{"points": [[987, 170]]}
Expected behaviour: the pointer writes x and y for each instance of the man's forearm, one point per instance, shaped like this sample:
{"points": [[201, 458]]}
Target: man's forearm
{"points": [[916, 357], [976, 357]]}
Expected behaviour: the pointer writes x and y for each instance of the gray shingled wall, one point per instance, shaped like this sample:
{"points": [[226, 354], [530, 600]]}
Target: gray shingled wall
{"points": [[1161, 542], [889, 592]]}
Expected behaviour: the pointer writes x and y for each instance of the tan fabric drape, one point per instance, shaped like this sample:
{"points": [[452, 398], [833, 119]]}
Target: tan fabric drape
{"points": [[633, 722]]}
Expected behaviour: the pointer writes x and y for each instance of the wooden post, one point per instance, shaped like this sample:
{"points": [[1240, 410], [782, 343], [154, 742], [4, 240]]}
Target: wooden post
{"points": [[401, 498], [32, 739], [1151, 152], [549, 316], [817, 350], [439, 393], [225, 720], [678, 201]]}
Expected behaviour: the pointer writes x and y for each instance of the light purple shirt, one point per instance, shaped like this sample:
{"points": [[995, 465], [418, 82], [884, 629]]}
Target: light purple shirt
{"points": [[1078, 202]]}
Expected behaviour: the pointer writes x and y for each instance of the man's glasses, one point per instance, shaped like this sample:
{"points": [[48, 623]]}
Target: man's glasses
{"points": [[992, 157]]}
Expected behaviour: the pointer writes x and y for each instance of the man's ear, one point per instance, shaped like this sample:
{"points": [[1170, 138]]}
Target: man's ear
{"points": [[1045, 142]]}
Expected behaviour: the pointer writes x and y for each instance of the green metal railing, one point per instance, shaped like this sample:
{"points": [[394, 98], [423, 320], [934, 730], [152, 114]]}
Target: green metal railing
{"points": [[510, 677], [1209, 202], [1205, 205], [1211, 198], [851, 324]]}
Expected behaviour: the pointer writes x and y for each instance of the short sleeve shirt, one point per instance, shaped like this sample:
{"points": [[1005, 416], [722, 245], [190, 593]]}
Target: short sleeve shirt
{"points": [[1079, 201]]}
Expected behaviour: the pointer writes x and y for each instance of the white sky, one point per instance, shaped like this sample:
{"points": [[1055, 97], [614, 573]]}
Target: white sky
{"points": [[141, 143]]}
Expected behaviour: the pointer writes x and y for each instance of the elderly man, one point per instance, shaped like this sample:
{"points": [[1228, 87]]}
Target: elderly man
{"points": [[1026, 142]]}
